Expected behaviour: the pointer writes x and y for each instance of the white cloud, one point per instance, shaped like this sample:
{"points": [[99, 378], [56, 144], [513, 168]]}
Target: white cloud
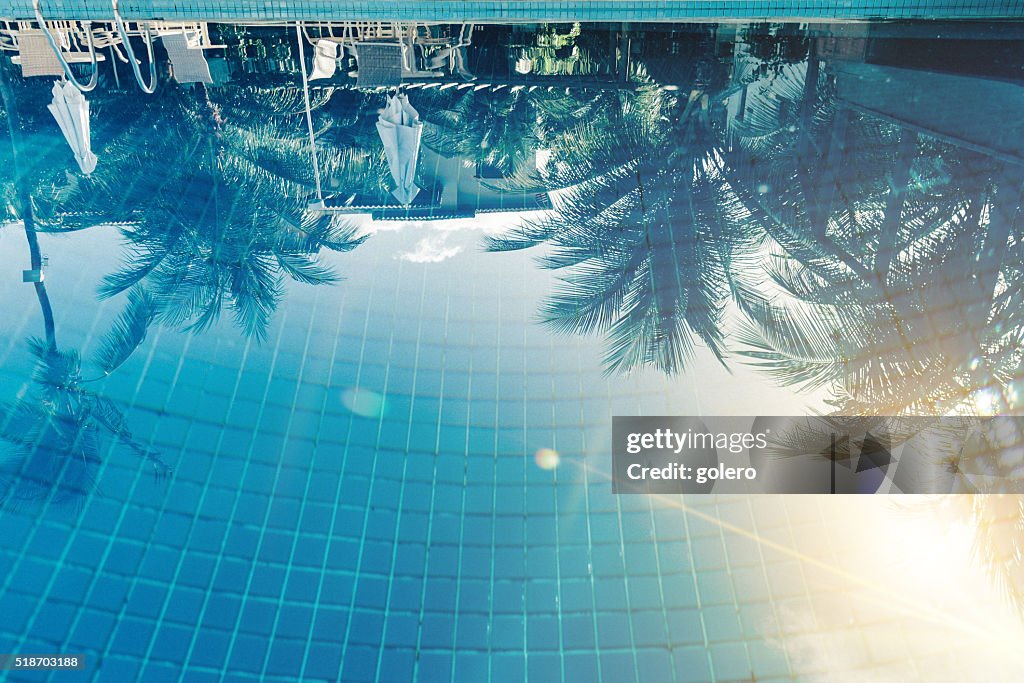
{"points": [[443, 239], [484, 223], [430, 249]]}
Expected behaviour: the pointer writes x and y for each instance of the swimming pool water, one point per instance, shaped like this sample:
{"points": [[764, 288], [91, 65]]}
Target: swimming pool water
{"points": [[356, 497], [296, 538]]}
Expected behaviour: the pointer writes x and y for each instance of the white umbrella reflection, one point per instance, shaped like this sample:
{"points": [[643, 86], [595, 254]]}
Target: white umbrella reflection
{"points": [[71, 110], [400, 130], [325, 60]]}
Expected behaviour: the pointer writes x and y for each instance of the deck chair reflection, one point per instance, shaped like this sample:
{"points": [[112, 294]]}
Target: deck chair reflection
{"points": [[185, 45], [73, 43]]}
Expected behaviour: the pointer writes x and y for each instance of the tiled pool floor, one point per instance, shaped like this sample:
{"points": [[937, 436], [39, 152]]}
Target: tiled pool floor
{"points": [[407, 478], [299, 539]]}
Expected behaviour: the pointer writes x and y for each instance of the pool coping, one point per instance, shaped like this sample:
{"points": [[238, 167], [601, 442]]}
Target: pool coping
{"points": [[519, 10]]}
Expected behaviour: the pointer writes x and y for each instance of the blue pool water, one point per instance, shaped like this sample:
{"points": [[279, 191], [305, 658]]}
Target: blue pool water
{"points": [[405, 476], [299, 539]]}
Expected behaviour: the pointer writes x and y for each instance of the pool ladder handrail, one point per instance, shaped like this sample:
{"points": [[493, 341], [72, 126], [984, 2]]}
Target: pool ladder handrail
{"points": [[60, 55], [122, 31]]}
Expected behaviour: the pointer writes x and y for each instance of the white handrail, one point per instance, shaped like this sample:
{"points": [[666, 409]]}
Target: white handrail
{"points": [[60, 55], [309, 112], [123, 32]]}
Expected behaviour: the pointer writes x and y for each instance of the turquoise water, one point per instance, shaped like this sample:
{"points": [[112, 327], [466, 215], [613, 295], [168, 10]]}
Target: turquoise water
{"points": [[296, 538], [342, 481]]}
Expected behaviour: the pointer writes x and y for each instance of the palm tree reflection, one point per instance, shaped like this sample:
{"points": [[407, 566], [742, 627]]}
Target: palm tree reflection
{"points": [[57, 434], [497, 131], [864, 258], [889, 267], [214, 214], [646, 227], [999, 520], [894, 282]]}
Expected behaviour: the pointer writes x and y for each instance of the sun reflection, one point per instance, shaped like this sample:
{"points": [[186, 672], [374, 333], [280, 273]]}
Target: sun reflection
{"points": [[546, 458], [987, 401], [1015, 395], [914, 575], [363, 402]]}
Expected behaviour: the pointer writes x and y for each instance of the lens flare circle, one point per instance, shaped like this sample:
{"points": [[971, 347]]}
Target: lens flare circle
{"points": [[546, 458], [363, 402]]}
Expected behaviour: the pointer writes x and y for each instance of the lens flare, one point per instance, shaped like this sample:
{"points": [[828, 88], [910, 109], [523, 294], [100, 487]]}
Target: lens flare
{"points": [[1015, 394], [363, 402], [546, 458], [987, 401]]}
